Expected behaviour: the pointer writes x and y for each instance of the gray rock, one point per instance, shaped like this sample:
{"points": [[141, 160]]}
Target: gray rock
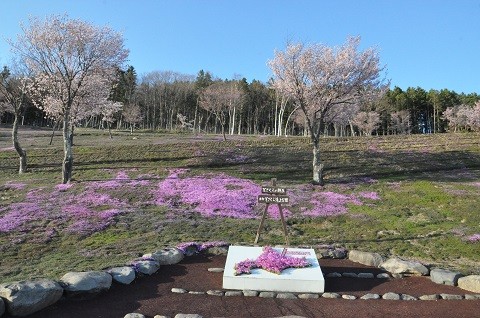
{"points": [[429, 297], [338, 253], [366, 275], [216, 269], [250, 293], [383, 276], [399, 266], [330, 295], [391, 296], [146, 267], [470, 283], [350, 275], [472, 296], [215, 292], [134, 315], [331, 252], [160, 316], [286, 296], [234, 293], [349, 297], [334, 275], [188, 316], [85, 283], [445, 277], [2, 307], [26, 297], [370, 296], [197, 292], [179, 290], [451, 297], [216, 250], [308, 296], [365, 258], [123, 275], [167, 256], [408, 297], [267, 294]]}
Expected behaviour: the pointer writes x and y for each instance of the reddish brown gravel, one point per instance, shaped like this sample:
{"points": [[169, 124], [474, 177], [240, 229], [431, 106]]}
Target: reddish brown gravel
{"points": [[151, 295]]}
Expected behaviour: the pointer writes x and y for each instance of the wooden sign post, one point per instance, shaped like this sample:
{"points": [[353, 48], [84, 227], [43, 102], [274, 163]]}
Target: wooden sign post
{"points": [[273, 195]]}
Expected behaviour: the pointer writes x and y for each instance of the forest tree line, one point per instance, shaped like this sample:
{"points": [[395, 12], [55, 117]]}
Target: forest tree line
{"points": [[171, 101]]}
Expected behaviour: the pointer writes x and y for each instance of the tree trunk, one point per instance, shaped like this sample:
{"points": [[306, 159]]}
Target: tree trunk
{"points": [[317, 164], [21, 153], [110, 130], [67, 166], [223, 132]]}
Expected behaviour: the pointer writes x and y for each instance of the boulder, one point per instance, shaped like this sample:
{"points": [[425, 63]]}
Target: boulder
{"points": [[123, 275], [26, 297], [188, 316], [365, 258], [216, 250], [84, 284], [399, 266], [470, 283], [134, 315], [146, 267], [2, 307], [167, 256], [445, 277]]}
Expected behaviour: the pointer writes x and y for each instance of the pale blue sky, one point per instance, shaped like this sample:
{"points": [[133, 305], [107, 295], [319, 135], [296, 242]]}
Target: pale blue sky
{"points": [[426, 43]]}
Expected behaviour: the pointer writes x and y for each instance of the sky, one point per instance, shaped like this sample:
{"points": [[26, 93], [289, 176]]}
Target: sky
{"points": [[432, 44]]}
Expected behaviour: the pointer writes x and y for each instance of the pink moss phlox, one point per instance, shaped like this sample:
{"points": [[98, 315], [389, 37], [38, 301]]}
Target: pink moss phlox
{"points": [[63, 186], [272, 261], [369, 195], [211, 195], [475, 238], [122, 175], [14, 185], [81, 213], [329, 204], [20, 214]]}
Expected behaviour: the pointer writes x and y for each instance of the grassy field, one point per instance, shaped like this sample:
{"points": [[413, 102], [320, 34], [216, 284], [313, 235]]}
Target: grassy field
{"points": [[416, 197]]}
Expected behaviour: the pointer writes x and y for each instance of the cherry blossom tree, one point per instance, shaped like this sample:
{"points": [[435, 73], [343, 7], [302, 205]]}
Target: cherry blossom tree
{"points": [[401, 122], [474, 118], [13, 99], [366, 122], [219, 99], [68, 57], [318, 78], [132, 114], [458, 117]]}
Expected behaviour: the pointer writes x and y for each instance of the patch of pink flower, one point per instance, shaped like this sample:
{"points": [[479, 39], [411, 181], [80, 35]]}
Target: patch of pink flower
{"points": [[82, 213], [329, 204], [15, 185], [211, 195], [272, 261], [475, 238], [369, 195]]}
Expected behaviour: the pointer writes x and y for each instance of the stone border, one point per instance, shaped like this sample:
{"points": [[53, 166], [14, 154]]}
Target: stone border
{"points": [[283, 295], [26, 297]]}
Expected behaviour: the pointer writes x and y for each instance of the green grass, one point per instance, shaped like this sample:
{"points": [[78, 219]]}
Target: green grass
{"points": [[428, 187]]}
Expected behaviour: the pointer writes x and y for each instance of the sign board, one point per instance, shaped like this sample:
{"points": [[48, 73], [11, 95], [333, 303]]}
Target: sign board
{"points": [[278, 199], [274, 190]]}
